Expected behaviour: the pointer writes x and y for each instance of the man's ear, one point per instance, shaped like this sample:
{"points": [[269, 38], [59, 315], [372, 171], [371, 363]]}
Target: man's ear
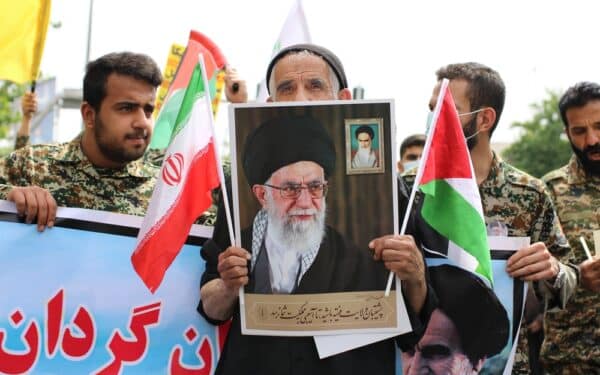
{"points": [[88, 114], [345, 94], [488, 116], [260, 192]]}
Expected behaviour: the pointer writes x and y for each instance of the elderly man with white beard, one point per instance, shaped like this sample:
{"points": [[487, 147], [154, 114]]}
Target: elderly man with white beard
{"points": [[295, 220], [308, 72], [289, 249], [288, 177]]}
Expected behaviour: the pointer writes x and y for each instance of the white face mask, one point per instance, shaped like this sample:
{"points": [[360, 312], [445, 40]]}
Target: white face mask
{"points": [[430, 117], [411, 164]]}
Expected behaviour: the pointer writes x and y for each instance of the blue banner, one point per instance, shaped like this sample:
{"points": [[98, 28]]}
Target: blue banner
{"points": [[71, 303]]}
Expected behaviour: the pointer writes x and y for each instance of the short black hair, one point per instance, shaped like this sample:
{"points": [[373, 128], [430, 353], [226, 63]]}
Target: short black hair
{"points": [[136, 65], [486, 88], [412, 141], [364, 129], [576, 97]]}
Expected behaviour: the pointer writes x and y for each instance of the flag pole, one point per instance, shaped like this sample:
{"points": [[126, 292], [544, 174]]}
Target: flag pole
{"points": [[220, 169], [411, 199], [217, 152]]}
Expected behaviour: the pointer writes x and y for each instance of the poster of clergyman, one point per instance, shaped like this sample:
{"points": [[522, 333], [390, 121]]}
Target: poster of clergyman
{"points": [[365, 146], [305, 220], [475, 327]]}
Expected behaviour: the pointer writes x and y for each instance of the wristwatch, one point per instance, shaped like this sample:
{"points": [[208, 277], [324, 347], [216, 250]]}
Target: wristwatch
{"points": [[560, 277]]}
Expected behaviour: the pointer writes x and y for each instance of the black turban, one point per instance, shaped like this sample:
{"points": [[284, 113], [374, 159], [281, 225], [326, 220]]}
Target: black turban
{"points": [[326, 54], [473, 307], [286, 140], [365, 129]]}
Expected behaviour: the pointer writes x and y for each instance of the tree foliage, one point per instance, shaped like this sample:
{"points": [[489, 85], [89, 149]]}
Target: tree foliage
{"points": [[9, 115], [542, 146]]}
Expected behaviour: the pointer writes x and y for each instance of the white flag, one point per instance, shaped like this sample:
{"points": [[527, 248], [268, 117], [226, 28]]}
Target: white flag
{"points": [[294, 31]]}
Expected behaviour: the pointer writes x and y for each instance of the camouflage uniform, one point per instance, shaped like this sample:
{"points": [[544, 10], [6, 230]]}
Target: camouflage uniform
{"points": [[572, 336], [73, 181], [522, 203]]}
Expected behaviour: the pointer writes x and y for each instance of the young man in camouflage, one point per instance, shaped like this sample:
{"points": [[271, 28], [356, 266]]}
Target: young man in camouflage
{"points": [[102, 168], [572, 336], [511, 199]]}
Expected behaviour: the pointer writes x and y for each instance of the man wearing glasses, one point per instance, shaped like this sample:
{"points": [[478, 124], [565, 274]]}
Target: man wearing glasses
{"points": [[289, 180], [303, 73], [287, 162]]}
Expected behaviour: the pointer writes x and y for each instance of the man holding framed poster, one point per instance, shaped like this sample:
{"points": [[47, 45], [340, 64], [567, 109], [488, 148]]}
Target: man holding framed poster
{"points": [[287, 157], [287, 162]]}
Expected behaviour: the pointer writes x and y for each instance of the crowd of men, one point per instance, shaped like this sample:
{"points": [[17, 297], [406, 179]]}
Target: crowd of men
{"points": [[104, 168]]}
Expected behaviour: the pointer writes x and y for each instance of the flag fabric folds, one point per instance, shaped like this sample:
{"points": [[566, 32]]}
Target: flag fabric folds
{"points": [[452, 204], [183, 189], [215, 64], [22, 38], [294, 31]]}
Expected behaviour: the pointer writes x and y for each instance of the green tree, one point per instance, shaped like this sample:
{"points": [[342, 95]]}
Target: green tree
{"points": [[542, 146], [9, 92]]}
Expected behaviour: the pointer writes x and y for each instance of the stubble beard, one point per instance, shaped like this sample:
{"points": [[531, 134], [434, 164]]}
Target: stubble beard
{"points": [[469, 129], [116, 152]]}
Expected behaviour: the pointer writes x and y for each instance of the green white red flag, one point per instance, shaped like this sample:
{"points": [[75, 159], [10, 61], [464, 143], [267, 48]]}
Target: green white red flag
{"points": [[215, 62], [183, 190]]}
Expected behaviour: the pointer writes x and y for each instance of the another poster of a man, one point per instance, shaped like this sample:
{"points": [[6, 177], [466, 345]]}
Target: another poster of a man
{"points": [[469, 326], [364, 145], [287, 161], [365, 156]]}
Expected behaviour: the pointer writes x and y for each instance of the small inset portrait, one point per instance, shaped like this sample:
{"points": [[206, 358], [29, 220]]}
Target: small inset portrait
{"points": [[364, 146]]}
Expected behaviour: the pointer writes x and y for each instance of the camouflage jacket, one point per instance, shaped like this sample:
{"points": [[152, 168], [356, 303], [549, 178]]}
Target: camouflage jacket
{"points": [[522, 204], [572, 336], [73, 181]]}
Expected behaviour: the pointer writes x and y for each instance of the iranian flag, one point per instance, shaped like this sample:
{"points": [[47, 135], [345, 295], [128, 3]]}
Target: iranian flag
{"points": [[214, 61], [183, 189], [451, 204]]}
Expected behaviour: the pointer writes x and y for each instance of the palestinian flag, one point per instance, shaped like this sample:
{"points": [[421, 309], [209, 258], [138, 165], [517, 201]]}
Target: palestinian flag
{"points": [[183, 189], [451, 204], [215, 71]]}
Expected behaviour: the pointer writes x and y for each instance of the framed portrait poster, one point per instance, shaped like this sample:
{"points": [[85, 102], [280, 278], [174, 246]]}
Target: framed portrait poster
{"points": [[307, 223], [365, 145]]}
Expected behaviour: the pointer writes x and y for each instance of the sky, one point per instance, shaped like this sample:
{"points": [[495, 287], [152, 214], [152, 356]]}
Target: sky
{"points": [[391, 48]]}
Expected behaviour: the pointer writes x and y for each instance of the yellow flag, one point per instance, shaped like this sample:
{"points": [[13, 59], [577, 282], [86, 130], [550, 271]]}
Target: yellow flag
{"points": [[173, 60], [22, 37]]}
